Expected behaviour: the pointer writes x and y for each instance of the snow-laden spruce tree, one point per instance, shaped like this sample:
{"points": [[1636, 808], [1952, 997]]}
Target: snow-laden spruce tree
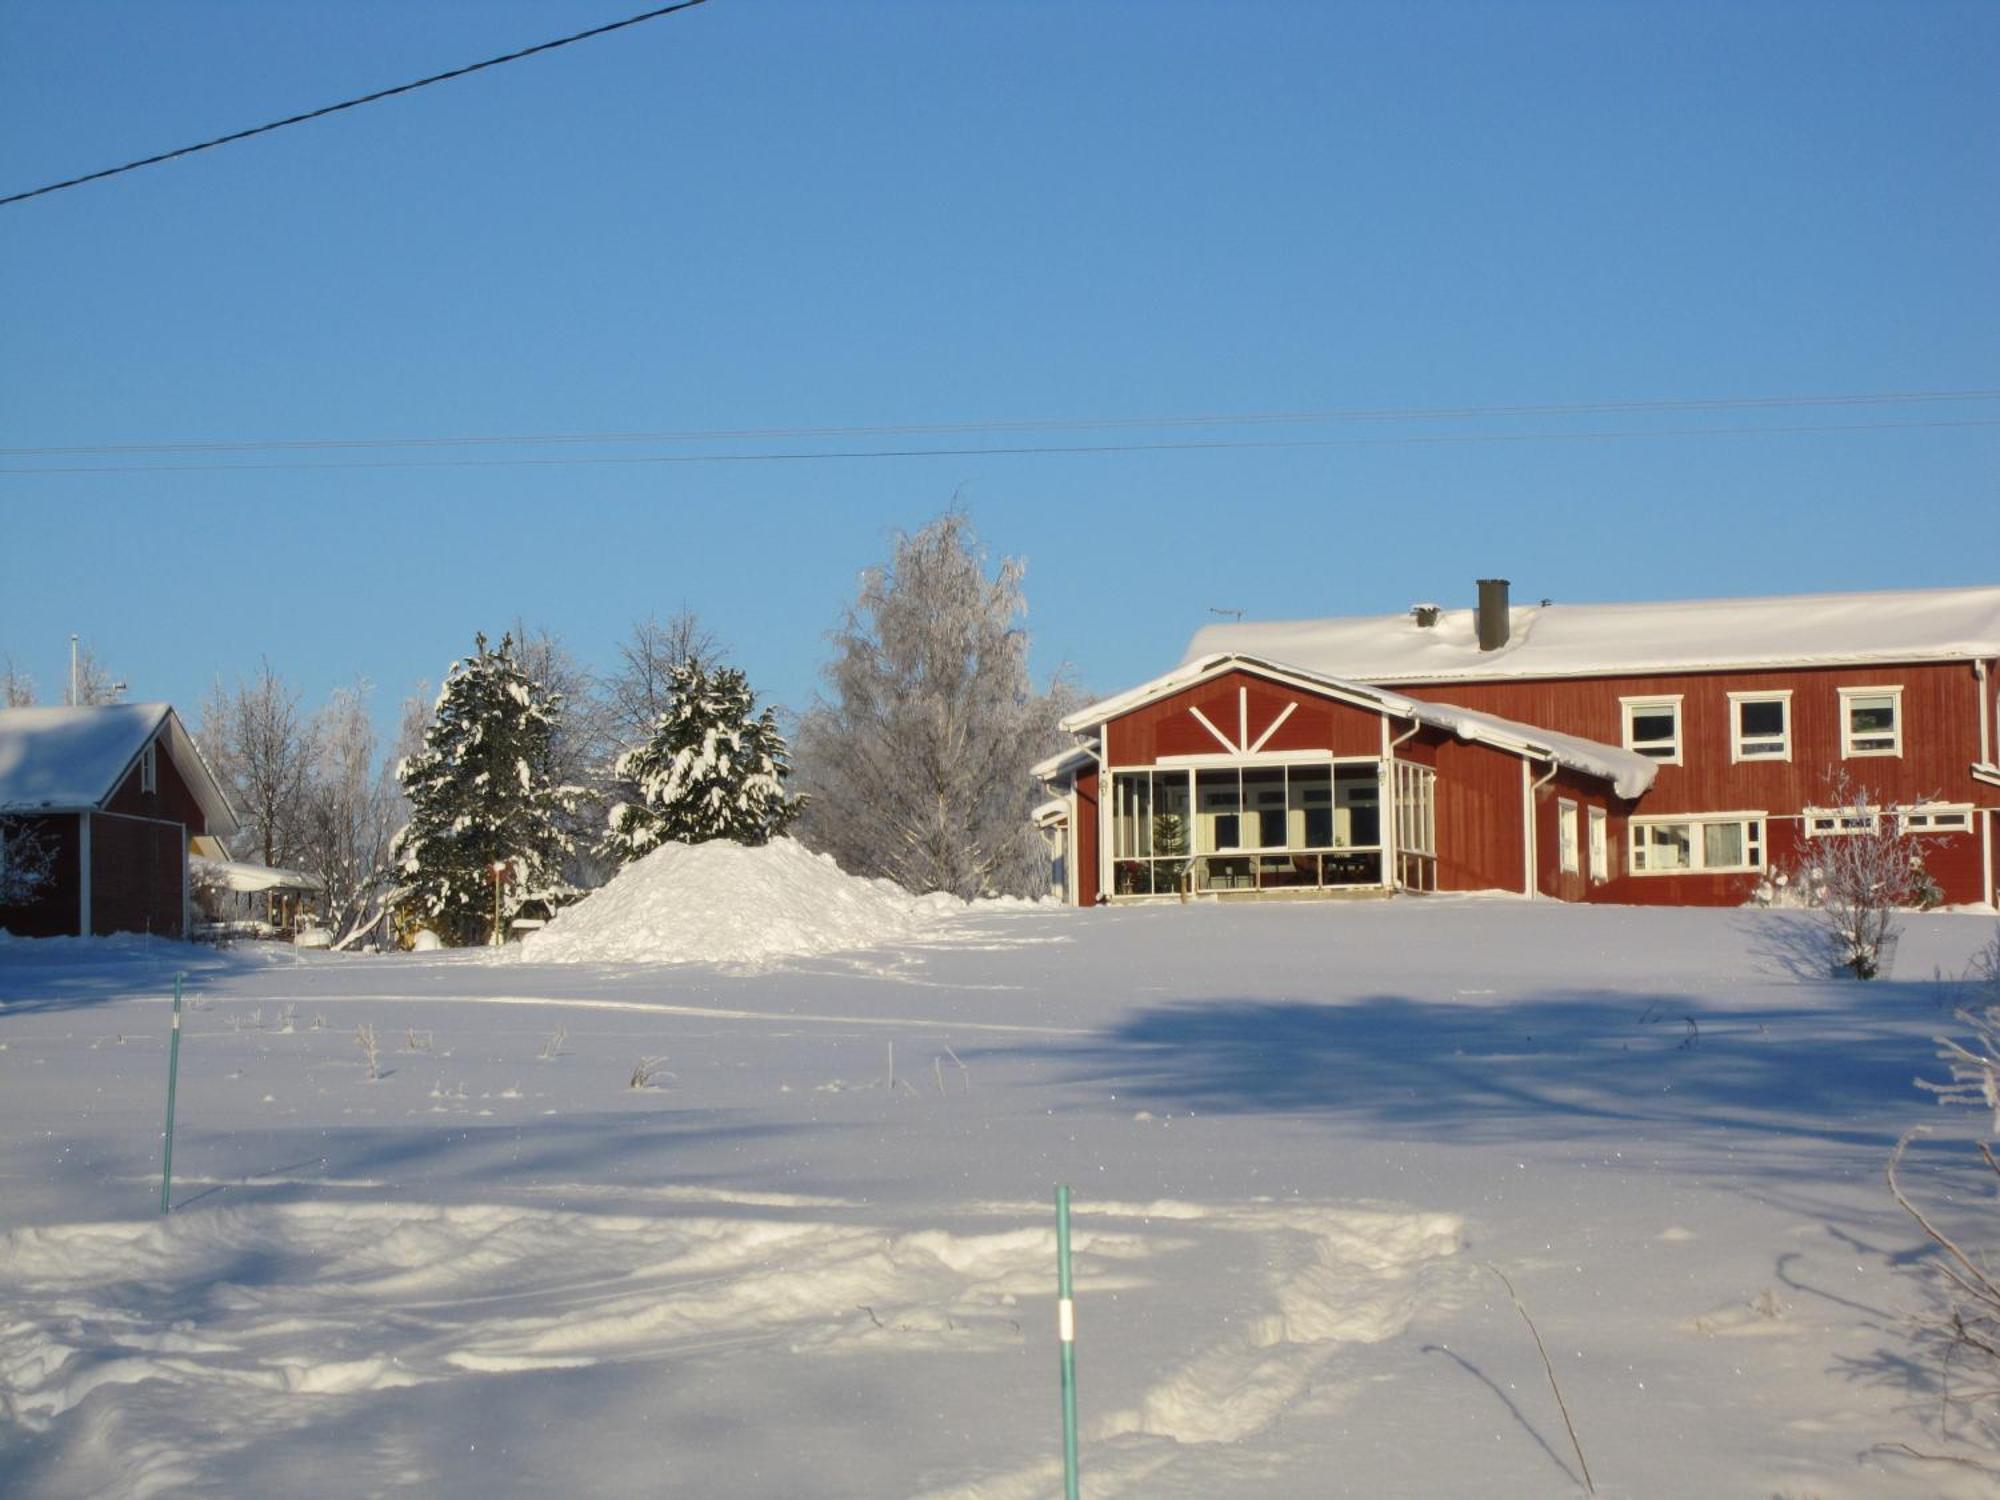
{"points": [[483, 792], [713, 768], [915, 762]]}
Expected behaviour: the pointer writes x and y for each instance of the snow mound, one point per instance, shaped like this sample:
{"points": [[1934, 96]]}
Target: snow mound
{"points": [[724, 903]]}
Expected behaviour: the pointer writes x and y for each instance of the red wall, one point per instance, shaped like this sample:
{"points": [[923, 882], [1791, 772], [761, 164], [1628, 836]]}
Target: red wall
{"points": [[173, 801], [1167, 727], [1083, 836], [1940, 742], [135, 875]]}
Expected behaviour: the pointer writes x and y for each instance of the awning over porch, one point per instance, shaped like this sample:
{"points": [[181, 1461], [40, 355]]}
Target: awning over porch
{"points": [[245, 878]]}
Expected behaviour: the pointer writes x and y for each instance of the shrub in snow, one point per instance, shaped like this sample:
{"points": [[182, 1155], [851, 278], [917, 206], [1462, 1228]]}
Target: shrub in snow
{"points": [[713, 768], [1857, 879], [1969, 1328], [27, 862], [917, 765], [483, 793]]}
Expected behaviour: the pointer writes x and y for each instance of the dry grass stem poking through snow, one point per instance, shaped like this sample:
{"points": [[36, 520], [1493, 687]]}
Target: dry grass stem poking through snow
{"points": [[1562, 1405]]}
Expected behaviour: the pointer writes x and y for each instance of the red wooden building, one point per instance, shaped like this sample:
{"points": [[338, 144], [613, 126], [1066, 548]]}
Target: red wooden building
{"points": [[1646, 753], [117, 793]]}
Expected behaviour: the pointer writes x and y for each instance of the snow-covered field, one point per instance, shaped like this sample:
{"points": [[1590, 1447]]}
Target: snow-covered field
{"points": [[1300, 1137]]}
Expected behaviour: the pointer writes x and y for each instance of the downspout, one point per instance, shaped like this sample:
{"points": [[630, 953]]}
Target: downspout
{"points": [[1986, 759], [1985, 711], [1103, 754], [83, 871], [1528, 790], [1393, 806]]}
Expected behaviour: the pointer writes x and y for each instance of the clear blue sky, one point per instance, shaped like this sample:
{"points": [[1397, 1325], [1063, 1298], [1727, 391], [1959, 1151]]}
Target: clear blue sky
{"points": [[765, 214]]}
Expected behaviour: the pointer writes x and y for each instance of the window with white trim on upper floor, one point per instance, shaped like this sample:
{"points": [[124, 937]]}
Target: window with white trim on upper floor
{"points": [[1653, 727], [149, 767], [1871, 720], [1760, 726], [1697, 846]]}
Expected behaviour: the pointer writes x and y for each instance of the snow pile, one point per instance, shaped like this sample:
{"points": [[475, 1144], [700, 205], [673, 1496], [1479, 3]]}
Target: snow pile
{"points": [[721, 902]]}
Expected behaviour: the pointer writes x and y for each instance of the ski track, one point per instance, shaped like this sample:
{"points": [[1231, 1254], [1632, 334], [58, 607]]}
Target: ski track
{"points": [[642, 1007], [280, 1316]]}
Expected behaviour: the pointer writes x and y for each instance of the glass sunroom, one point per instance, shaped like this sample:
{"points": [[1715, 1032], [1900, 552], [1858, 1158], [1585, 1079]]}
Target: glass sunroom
{"points": [[1251, 827]]}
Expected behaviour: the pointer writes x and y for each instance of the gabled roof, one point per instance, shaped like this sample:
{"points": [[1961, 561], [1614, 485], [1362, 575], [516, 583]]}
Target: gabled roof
{"points": [[1588, 640], [73, 759], [1629, 774]]}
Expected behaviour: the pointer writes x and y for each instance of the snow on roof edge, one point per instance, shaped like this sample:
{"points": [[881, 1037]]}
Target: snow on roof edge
{"points": [[1630, 774]]}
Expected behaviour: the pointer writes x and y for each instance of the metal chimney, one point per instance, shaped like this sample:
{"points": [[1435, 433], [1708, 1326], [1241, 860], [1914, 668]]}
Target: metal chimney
{"points": [[1495, 624]]}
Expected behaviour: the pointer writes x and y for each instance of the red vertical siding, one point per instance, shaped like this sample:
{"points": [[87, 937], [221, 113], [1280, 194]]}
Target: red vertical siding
{"points": [[1083, 836], [1168, 727], [136, 867], [1940, 729], [1479, 832]]}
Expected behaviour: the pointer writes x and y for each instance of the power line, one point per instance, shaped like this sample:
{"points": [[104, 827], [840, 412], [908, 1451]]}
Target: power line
{"points": [[334, 109], [1039, 450], [1059, 424]]}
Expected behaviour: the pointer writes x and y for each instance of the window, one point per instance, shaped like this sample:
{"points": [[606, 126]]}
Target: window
{"points": [[1934, 817], [1760, 726], [1831, 822], [149, 767], [1566, 836], [1871, 721], [1600, 845], [1653, 727], [1692, 846]]}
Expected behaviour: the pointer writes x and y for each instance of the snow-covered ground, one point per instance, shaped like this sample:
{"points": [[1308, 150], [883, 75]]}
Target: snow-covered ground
{"points": [[1300, 1138]]}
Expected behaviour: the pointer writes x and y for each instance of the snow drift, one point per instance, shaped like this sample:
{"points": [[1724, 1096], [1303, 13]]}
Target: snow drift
{"points": [[721, 902]]}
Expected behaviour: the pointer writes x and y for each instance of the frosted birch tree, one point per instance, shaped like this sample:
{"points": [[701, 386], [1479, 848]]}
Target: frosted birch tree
{"points": [[915, 760], [17, 688], [264, 749], [348, 814]]}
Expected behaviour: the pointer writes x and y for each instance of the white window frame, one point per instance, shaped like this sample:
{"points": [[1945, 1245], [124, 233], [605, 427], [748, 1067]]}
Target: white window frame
{"points": [[1922, 818], [1756, 850], [1840, 822], [149, 767], [1782, 741], [1848, 695], [1567, 841], [1600, 846], [1671, 702]]}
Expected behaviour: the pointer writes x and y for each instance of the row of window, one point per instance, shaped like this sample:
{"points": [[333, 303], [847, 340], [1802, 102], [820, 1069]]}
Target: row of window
{"points": [[1734, 842], [1760, 724]]}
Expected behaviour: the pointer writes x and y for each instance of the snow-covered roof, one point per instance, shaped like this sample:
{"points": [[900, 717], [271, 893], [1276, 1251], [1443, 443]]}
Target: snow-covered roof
{"points": [[1630, 774], [1587, 640], [239, 875], [71, 759]]}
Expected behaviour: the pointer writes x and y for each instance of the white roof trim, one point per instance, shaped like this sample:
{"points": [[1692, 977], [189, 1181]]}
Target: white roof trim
{"points": [[1629, 774], [1072, 759], [1056, 811]]}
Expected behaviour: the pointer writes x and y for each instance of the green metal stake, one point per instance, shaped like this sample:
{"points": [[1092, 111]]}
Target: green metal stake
{"points": [[173, 1076], [1066, 1332]]}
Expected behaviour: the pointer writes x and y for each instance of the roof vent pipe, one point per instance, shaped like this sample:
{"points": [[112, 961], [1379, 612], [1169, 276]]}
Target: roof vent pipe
{"points": [[1494, 622], [1426, 615]]}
